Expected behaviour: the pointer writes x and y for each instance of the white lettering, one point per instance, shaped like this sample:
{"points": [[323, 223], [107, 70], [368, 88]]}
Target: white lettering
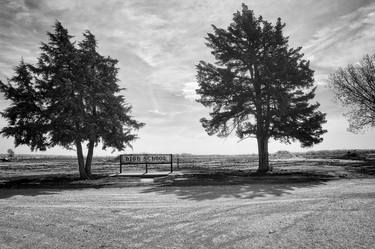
{"points": [[145, 158]]}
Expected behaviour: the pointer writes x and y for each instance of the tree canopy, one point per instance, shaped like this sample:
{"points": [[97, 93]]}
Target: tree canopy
{"points": [[69, 97], [258, 86], [354, 87]]}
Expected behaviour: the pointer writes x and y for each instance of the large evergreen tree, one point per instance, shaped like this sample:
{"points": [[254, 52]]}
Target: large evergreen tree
{"points": [[259, 86], [69, 97]]}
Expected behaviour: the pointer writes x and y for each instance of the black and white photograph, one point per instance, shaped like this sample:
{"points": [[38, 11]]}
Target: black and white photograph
{"points": [[187, 124]]}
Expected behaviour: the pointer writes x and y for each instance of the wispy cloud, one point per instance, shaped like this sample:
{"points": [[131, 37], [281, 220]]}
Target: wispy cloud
{"points": [[189, 91], [158, 44], [343, 41]]}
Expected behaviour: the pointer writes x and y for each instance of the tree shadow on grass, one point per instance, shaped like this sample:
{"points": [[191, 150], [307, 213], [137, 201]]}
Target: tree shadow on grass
{"points": [[200, 189], [193, 187], [43, 185], [7, 193]]}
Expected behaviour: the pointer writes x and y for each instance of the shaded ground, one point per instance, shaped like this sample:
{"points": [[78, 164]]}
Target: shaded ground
{"points": [[63, 173]]}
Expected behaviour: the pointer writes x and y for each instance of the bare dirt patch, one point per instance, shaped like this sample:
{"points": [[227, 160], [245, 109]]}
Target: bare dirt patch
{"points": [[333, 214]]}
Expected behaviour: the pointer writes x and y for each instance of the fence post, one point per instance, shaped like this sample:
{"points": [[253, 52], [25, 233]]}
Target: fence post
{"points": [[171, 163], [120, 164]]}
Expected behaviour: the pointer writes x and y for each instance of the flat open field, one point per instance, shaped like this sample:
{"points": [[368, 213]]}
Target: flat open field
{"points": [[304, 203], [321, 162]]}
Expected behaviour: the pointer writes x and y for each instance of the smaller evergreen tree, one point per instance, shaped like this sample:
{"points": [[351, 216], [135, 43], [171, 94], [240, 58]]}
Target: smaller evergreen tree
{"points": [[10, 153]]}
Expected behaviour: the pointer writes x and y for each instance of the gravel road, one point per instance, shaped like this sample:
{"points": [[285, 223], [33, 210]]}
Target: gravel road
{"points": [[331, 214]]}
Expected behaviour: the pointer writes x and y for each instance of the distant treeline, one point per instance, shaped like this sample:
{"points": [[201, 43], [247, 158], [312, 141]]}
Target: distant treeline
{"points": [[50, 157], [325, 154], [337, 154]]}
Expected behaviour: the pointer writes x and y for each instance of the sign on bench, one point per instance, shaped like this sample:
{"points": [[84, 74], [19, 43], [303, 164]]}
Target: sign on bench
{"points": [[146, 159]]}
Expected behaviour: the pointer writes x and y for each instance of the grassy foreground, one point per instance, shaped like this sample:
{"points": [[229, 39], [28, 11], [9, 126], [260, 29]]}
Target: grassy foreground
{"points": [[303, 203]]}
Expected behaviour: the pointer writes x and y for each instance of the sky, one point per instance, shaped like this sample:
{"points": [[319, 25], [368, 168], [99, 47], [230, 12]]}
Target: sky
{"points": [[158, 43]]}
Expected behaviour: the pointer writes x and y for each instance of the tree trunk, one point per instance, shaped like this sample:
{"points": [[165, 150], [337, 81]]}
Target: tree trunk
{"points": [[90, 153], [263, 155], [81, 162]]}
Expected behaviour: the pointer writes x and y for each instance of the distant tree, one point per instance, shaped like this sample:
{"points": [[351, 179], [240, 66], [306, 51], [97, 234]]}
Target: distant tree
{"points": [[69, 97], [354, 87], [258, 86], [10, 153]]}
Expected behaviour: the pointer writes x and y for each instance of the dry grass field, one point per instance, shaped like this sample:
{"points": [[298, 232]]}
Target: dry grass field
{"points": [[208, 202], [39, 167]]}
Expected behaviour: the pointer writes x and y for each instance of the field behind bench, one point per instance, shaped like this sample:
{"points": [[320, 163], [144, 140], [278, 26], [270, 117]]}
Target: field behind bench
{"points": [[27, 166]]}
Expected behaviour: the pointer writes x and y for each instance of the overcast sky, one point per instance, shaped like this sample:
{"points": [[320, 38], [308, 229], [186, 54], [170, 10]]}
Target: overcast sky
{"points": [[158, 44]]}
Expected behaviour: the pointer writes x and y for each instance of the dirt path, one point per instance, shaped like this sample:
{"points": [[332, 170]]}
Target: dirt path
{"points": [[333, 214]]}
